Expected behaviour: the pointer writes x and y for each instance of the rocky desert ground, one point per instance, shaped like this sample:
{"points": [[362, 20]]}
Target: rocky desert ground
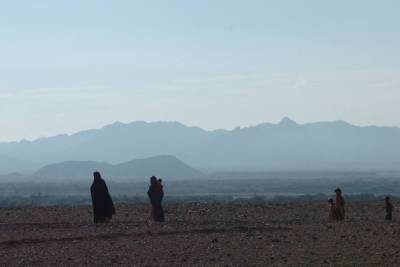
{"points": [[200, 235]]}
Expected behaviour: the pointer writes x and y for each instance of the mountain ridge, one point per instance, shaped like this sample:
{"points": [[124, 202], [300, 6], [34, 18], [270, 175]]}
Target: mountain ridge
{"points": [[286, 145], [283, 121]]}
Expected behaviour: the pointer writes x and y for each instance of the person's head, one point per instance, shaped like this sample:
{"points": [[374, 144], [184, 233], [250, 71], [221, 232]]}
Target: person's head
{"points": [[330, 201], [338, 191], [97, 175], [153, 180], [387, 199], [160, 180]]}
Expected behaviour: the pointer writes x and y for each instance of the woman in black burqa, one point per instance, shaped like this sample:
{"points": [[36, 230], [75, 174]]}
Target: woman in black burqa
{"points": [[103, 206], [156, 194]]}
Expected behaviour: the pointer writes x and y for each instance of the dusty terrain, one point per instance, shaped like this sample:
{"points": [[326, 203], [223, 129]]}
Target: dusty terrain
{"points": [[200, 234]]}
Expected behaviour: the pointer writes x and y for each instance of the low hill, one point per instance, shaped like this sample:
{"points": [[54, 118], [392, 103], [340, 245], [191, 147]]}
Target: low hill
{"points": [[163, 165]]}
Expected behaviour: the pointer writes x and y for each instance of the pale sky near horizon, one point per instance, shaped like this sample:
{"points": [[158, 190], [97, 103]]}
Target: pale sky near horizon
{"points": [[72, 65]]}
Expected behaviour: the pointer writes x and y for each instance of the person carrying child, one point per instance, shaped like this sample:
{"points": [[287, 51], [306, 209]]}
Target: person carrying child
{"points": [[339, 205], [156, 195]]}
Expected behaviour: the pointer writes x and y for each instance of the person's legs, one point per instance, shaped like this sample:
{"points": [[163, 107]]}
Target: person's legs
{"points": [[152, 213], [341, 215], [99, 220], [158, 213], [332, 214], [161, 216], [335, 214]]}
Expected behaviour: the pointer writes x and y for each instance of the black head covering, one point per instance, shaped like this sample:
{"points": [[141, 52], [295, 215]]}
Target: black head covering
{"points": [[338, 190], [97, 176], [153, 179]]}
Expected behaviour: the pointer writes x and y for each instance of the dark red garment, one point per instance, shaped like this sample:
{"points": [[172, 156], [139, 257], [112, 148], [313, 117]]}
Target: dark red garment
{"points": [[158, 189], [339, 201], [339, 208]]}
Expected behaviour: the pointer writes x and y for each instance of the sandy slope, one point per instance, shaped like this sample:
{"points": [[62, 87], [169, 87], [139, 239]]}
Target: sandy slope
{"points": [[199, 234]]}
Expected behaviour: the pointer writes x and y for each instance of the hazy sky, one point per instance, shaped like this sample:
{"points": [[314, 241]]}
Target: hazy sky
{"points": [[71, 65]]}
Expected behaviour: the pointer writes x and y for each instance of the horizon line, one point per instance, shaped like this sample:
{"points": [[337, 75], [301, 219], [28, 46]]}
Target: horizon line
{"points": [[285, 120]]}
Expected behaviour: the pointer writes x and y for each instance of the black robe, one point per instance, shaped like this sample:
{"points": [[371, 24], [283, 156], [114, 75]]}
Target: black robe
{"points": [[103, 206], [156, 195], [389, 210]]}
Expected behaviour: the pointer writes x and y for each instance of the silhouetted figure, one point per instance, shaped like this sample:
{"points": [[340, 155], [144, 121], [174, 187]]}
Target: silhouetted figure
{"points": [[389, 208], [339, 205], [103, 206], [156, 194]]}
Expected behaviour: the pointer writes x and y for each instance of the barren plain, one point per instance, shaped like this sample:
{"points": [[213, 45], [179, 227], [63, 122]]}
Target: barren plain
{"points": [[293, 234]]}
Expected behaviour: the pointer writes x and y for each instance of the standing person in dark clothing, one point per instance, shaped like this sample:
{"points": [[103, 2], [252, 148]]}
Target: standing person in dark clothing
{"points": [[339, 205], [103, 206], [156, 194], [389, 208]]}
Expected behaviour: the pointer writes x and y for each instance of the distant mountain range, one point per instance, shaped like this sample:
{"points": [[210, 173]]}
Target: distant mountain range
{"points": [[161, 166], [283, 146]]}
